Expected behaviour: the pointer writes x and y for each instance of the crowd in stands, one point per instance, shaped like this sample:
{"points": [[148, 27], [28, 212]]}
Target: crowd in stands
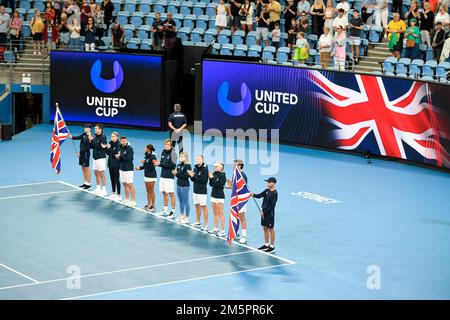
{"points": [[336, 27]]}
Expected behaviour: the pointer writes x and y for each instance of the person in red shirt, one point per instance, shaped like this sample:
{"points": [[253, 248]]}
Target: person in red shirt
{"points": [[49, 13], [433, 5], [50, 36], [84, 16]]}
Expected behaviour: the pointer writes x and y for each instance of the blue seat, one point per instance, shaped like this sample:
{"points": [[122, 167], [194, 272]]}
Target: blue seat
{"points": [[389, 65], [116, 4], [160, 6], [173, 7], [312, 56], [186, 7], [210, 35], [146, 44], [211, 9], [442, 69], [137, 18], [202, 21], [187, 43], [364, 47], [122, 17], [269, 53], [227, 49], [365, 31], [149, 18], [25, 4], [283, 39], [201, 44], [427, 78], [199, 8], [238, 37], [415, 68], [38, 4], [212, 23], [143, 32], [375, 34], [251, 38], [129, 31], [26, 31], [189, 20], [9, 56], [133, 43], [22, 12], [254, 51], [240, 50], [184, 33], [216, 48], [197, 35], [224, 36], [177, 17], [283, 54], [429, 68], [312, 41], [145, 6], [403, 66], [130, 5]]}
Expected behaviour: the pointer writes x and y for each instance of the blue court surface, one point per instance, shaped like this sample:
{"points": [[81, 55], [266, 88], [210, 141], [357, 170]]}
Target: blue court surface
{"points": [[385, 216]]}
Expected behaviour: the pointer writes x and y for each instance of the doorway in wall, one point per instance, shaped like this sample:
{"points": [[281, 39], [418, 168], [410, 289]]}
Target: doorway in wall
{"points": [[27, 111]]}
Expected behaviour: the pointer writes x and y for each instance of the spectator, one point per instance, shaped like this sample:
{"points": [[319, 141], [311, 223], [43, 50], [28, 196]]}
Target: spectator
{"points": [[93, 7], [158, 32], [235, 6], [50, 36], [275, 35], [108, 9], [246, 15], [57, 7], [426, 18], [37, 27], [341, 20], [317, 12], [441, 3], [413, 11], [117, 35], [49, 12], [292, 32], [73, 11], [329, 15], [4, 26], [289, 13], [262, 30], [339, 42], [222, 13], [355, 28], [368, 11], [412, 40], [15, 27], [304, 24], [301, 48], [89, 35], [170, 32], [445, 55], [438, 41], [75, 30], [303, 6], [343, 5], [274, 9], [324, 45], [64, 32], [99, 22], [395, 30], [85, 14], [443, 17], [381, 13]]}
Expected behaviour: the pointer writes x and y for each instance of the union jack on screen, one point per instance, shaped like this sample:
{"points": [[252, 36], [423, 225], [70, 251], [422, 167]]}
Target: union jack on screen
{"points": [[239, 197], [60, 133], [406, 119]]}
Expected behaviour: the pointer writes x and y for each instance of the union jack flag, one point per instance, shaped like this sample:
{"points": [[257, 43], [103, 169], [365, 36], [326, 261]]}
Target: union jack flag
{"points": [[409, 119], [239, 197], [60, 133]]}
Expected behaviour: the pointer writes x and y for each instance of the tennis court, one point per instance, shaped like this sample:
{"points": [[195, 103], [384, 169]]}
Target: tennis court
{"points": [[51, 229]]}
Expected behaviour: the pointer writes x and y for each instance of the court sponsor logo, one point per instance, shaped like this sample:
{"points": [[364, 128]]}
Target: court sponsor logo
{"points": [[74, 281], [315, 197], [267, 102], [106, 106], [374, 279]]}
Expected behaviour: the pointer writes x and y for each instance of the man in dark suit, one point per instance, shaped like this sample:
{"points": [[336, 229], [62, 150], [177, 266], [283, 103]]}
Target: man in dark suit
{"points": [[438, 41]]}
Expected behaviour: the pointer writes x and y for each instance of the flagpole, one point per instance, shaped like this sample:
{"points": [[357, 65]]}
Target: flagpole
{"points": [[73, 143]]}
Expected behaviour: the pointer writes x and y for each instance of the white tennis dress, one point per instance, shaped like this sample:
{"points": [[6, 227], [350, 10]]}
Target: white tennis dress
{"points": [[221, 18]]}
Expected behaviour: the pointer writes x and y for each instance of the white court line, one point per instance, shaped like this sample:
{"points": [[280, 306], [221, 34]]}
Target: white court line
{"points": [[186, 225], [19, 273], [125, 270], [37, 194], [28, 184], [174, 282]]}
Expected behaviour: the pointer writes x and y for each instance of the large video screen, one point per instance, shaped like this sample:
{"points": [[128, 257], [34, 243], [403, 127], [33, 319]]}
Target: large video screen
{"points": [[110, 88], [385, 116]]}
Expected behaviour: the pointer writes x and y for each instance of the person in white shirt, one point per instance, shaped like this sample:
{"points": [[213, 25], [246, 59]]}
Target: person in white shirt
{"points": [[343, 5], [324, 44], [381, 13], [340, 20], [443, 17]]}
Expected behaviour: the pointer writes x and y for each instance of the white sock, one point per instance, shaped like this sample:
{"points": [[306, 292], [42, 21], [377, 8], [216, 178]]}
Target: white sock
{"points": [[244, 233], [266, 244], [272, 246], [173, 210], [166, 208]]}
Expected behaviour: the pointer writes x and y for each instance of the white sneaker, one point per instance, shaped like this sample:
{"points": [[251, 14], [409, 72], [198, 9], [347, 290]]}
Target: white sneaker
{"points": [[221, 233], [118, 198], [112, 197], [132, 204], [104, 193], [214, 231], [243, 240], [204, 228], [125, 202], [196, 224], [97, 191], [185, 220], [179, 219], [34, 52]]}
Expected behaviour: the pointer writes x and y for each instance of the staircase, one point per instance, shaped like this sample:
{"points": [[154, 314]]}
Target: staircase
{"points": [[26, 62], [377, 52]]}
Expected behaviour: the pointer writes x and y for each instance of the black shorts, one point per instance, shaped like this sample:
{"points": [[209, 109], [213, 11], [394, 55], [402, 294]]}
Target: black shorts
{"points": [[84, 159], [37, 36], [268, 221]]}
